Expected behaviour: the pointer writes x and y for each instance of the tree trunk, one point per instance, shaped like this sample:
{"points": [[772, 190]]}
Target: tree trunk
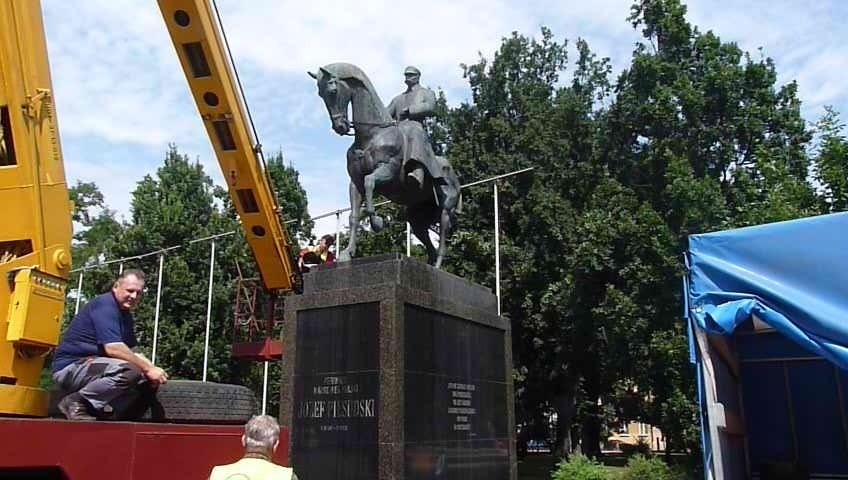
{"points": [[566, 407], [591, 434]]}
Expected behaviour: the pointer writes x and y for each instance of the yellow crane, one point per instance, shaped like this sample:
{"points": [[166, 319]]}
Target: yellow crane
{"points": [[36, 230]]}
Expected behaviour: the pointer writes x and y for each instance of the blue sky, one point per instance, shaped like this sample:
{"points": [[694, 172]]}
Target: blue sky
{"points": [[122, 98]]}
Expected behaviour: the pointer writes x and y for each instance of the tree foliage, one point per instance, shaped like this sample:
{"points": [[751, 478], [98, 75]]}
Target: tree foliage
{"points": [[85, 196], [694, 135], [831, 162]]}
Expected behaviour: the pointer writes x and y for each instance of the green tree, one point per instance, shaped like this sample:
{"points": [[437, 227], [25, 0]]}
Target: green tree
{"points": [[98, 231], [700, 131], [831, 162], [85, 196], [521, 116], [97, 238], [291, 198], [171, 208], [697, 136], [695, 111]]}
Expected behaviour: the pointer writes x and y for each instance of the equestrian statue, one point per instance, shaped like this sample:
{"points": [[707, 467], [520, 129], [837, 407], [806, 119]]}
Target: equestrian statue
{"points": [[391, 155]]}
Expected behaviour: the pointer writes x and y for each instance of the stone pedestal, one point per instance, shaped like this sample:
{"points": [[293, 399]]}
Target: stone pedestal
{"points": [[395, 370]]}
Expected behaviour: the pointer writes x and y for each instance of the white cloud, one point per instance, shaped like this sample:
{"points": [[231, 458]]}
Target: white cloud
{"points": [[115, 73], [805, 40], [380, 36]]}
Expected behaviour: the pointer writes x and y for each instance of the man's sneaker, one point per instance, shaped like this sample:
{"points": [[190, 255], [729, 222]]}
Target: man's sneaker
{"points": [[74, 407]]}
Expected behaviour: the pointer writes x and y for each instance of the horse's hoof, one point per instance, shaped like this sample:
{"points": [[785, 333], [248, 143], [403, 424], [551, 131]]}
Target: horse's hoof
{"points": [[377, 223]]}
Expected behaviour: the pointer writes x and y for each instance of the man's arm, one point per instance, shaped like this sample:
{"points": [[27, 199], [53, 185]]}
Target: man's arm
{"points": [[121, 351], [424, 105], [107, 333], [393, 109]]}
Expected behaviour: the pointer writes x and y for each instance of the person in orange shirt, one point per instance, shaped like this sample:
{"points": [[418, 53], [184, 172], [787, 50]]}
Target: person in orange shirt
{"points": [[316, 255]]}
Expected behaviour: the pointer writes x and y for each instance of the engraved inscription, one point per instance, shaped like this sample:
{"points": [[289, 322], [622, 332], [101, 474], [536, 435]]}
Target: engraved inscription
{"points": [[461, 395], [327, 403]]}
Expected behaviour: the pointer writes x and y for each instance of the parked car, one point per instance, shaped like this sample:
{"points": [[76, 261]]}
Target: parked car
{"points": [[538, 446]]}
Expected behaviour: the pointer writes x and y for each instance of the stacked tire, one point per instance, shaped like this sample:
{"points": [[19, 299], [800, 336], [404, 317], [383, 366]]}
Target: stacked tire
{"points": [[188, 401]]}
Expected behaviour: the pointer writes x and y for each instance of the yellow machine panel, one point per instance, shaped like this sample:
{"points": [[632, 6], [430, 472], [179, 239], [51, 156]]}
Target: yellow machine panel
{"points": [[35, 310], [35, 233]]}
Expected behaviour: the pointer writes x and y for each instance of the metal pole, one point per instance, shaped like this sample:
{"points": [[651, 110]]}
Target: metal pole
{"points": [[338, 229], [79, 291], [121, 269], [408, 240], [156, 315], [209, 309], [265, 388], [497, 250]]}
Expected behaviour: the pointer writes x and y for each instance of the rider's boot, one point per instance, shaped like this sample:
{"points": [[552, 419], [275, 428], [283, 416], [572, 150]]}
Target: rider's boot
{"points": [[418, 175]]}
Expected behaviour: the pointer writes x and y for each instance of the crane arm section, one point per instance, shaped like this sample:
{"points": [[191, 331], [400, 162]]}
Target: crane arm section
{"points": [[35, 230], [201, 50]]}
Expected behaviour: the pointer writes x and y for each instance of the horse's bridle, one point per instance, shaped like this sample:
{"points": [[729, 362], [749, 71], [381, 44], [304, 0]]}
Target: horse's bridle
{"points": [[352, 131]]}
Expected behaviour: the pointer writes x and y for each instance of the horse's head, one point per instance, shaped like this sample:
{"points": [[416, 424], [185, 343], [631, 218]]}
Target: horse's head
{"points": [[336, 94]]}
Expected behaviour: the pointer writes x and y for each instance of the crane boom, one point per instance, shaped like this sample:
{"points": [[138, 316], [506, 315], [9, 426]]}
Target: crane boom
{"points": [[202, 53]]}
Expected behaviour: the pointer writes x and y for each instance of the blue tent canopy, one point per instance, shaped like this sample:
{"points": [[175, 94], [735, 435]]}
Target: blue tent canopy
{"points": [[771, 396], [792, 275]]}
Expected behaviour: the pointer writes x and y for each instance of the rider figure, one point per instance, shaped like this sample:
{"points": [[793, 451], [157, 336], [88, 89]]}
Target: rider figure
{"points": [[414, 106]]}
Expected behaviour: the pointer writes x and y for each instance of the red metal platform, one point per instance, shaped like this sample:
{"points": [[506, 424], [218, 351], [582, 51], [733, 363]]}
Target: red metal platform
{"points": [[61, 449], [266, 350]]}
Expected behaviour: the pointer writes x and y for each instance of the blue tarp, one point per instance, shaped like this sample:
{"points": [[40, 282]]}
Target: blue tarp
{"points": [[792, 275]]}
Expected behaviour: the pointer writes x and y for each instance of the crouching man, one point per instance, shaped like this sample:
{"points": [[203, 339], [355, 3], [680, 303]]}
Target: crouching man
{"points": [[94, 362]]}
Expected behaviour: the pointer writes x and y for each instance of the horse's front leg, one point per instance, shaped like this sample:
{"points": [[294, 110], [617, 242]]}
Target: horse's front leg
{"points": [[380, 176], [421, 228], [355, 205], [448, 199], [444, 228]]}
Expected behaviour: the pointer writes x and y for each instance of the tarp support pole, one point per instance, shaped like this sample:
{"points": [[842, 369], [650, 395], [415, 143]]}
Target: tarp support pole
{"points": [[497, 248], [79, 291], [338, 229], [156, 315], [209, 309], [265, 389]]}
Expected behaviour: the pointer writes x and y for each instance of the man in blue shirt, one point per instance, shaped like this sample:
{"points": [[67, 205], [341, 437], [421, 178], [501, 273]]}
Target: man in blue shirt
{"points": [[94, 360]]}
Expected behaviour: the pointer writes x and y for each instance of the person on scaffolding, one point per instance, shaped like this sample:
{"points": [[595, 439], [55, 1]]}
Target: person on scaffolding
{"points": [[317, 254]]}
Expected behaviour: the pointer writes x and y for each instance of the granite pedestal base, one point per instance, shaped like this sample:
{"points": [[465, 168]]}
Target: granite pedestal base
{"points": [[395, 370]]}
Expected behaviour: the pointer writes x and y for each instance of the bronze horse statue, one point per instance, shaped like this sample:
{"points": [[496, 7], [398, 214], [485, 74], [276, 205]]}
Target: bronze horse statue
{"points": [[378, 161]]}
